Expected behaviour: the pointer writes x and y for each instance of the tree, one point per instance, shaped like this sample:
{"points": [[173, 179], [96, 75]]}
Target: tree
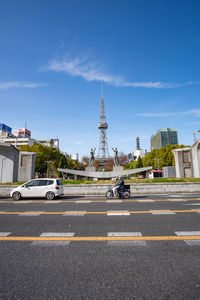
{"points": [[46, 153], [139, 163]]}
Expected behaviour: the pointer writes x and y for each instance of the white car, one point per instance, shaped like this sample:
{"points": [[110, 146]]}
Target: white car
{"points": [[42, 187]]}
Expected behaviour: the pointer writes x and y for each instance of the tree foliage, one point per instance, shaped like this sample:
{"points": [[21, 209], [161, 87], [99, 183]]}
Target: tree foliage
{"points": [[157, 158], [49, 154]]}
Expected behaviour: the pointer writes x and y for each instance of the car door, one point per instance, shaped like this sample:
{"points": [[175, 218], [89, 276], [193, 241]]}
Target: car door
{"points": [[30, 189]]}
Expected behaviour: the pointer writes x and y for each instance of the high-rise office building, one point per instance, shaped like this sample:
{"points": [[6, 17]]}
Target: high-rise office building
{"points": [[164, 137]]}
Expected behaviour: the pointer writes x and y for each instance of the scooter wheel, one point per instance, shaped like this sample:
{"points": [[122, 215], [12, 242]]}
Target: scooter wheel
{"points": [[126, 195], [109, 194]]}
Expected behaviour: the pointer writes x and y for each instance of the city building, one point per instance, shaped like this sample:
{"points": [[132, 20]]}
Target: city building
{"points": [[22, 136], [138, 152], [5, 130], [164, 137], [22, 132], [50, 143], [74, 156], [15, 141]]}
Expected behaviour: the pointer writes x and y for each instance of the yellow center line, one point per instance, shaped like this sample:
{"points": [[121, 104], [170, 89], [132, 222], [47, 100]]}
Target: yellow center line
{"points": [[101, 238], [97, 212], [103, 201]]}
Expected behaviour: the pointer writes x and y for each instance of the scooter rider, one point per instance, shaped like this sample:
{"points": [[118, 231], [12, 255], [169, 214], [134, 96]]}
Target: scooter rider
{"points": [[120, 185]]}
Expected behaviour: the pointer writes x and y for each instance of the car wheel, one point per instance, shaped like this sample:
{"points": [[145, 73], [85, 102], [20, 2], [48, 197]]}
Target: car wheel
{"points": [[16, 196], [50, 195], [109, 194]]}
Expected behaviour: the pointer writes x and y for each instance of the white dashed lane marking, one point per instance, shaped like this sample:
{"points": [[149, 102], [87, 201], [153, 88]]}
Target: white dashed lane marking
{"points": [[192, 204], [47, 202], [114, 201], [31, 214], [4, 233], [83, 201], [118, 213], [149, 200], [74, 213], [189, 233], [165, 212], [53, 243], [125, 243]]}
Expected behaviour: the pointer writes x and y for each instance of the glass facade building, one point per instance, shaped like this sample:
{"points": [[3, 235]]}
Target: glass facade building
{"points": [[164, 137]]}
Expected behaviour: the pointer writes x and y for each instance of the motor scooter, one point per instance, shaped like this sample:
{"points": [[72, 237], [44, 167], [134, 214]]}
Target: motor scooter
{"points": [[125, 193]]}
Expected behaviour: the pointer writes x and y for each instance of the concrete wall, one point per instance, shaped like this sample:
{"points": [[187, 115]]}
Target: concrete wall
{"points": [[8, 163], [141, 188], [26, 166], [169, 171]]}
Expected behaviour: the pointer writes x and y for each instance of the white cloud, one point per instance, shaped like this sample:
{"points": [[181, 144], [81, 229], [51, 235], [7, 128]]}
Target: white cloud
{"points": [[19, 84], [91, 72], [193, 112]]}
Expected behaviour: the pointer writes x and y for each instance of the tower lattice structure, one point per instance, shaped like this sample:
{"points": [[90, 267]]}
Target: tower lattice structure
{"points": [[103, 152]]}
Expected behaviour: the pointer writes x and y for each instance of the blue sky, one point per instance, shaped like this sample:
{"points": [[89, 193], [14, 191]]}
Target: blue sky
{"points": [[54, 55]]}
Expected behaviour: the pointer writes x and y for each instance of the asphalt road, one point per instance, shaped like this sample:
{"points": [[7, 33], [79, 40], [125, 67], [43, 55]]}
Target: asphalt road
{"points": [[146, 247]]}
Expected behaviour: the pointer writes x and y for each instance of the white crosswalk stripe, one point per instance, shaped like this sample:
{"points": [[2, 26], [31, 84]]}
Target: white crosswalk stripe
{"points": [[125, 243], [189, 233]]}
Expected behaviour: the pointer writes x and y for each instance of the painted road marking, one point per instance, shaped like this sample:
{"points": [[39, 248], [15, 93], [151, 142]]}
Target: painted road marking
{"points": [[190, 242], [125, 243], [16, 202], [162, 212], [118, 213], [146, 200], [177, 200], [4, 233], [113, 212], [74, 213], [192, 204], [52, 242], [103, 238], [83, 201], [98, 201], [30, 213], [55, 201], [57, 234], [114, 201]]}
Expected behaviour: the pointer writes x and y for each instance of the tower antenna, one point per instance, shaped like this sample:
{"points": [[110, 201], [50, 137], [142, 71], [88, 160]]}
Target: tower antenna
{"points": [[103, 153]]}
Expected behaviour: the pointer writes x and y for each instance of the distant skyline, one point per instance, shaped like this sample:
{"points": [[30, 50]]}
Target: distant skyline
{"points": [[54, 56]]}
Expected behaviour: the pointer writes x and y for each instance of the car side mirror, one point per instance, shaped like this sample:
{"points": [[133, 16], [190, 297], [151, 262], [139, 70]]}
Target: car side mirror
{"points": [[24, 185]]}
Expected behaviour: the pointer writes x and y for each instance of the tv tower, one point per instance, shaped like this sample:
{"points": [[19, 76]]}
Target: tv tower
{"points": [[103, 153]]}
